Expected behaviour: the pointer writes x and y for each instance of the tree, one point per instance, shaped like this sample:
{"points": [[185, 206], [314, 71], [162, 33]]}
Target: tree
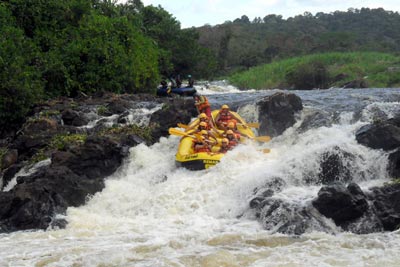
{"points": [[20, 86]]}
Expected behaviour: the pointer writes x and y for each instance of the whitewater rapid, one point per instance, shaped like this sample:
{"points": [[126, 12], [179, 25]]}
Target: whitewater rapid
{"points": [[152, 213]]}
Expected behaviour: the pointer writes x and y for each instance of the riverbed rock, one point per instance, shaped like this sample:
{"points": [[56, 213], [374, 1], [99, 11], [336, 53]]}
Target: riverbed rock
{"points": [[380, 135], [72, 176], [74, 118], [173, 111], [334, 166], [9, 158], [341, 204], [277, 113], [394, 164], [35, 135], [358, 83], [386, 200]]}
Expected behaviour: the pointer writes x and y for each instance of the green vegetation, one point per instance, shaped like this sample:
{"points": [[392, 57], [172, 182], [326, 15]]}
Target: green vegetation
{"points": [[60, 48], [323, 71], [245, 43], [141, 131], [62, 141], [38, 156]]}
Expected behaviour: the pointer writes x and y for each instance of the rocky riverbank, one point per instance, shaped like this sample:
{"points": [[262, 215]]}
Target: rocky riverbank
{"points": [[67, 147]]}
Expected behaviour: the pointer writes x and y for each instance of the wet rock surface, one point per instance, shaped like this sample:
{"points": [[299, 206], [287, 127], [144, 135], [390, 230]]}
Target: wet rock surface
{"points": [[277, 113], [381, 135]]}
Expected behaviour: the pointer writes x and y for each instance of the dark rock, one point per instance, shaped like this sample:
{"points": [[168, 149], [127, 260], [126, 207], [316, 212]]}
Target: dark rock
{"points": [[74, 118], [358, 83], [118, 106], [174, 111], [333, 166], [340, 203], [386, 201], [9, 158], [68, 181], [95, 159], [35, 134], [10, 173], [394, 164], [381, 135], [289, 218], [315, 119], [265, 192], [277, 113]]}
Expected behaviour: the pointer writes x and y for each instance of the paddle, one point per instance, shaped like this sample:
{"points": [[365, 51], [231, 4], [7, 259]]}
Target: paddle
{"points": [[264, 138], [184, 126], [250, 124], [173, 131], [266, 150]]}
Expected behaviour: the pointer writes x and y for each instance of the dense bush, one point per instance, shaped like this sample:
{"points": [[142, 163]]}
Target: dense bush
{"points": [[59, 48], [308, 76]]}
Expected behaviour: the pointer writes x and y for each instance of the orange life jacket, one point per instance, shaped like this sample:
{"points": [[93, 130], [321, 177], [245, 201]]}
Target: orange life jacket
{"points": [[225, 118], [203, 103]]}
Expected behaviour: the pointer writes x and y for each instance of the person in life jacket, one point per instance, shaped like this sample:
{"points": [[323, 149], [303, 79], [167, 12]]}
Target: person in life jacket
{"points": [[224, 146], [178, 81], [200, 145], [202, 104], [190, 81], [224, 117], [201, 118], [233, 141], [210, 137], [232, 126]]}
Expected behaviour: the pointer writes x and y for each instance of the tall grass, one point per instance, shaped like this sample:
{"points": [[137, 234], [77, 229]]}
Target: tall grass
{"points": [[378, 69]]}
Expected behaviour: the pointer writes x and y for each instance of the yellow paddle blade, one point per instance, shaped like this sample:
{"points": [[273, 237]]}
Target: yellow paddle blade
{"points": [[184, 126], [173, 131], [253, 125], [266, 150], [265, 138]]}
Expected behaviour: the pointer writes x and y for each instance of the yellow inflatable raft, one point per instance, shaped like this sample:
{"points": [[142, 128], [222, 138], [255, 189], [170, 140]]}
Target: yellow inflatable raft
{"points": [[185, 157]]}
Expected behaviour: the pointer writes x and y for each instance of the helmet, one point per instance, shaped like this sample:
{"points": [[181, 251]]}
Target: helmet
{"points": [[203, 116], [231, 124], [229, 132], [189, 76], [225, 107], [225, 141], [204, 132], [203, 123]]}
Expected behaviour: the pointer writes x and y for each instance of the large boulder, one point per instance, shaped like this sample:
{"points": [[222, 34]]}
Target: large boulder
{"points": [[173, 111], [386, 201], [35, 135], [74, 118], [334, 167], [394, 164], [73, 176], [380, 135], [341, 204], [277, 113]]}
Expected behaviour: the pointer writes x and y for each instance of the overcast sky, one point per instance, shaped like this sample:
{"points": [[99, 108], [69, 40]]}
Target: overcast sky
{"points": [[199, 12]]}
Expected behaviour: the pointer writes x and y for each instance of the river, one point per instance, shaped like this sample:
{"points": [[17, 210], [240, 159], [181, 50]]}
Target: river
{"points": [[152, 213]]}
